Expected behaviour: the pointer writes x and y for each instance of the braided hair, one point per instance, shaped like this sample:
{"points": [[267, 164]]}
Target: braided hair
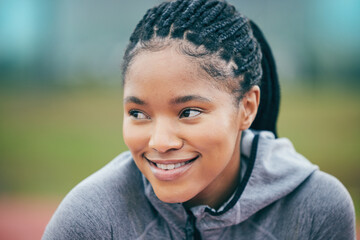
{"points": [[223, 43]]}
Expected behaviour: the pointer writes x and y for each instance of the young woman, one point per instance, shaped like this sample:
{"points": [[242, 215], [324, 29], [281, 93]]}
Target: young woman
{"points": [[201, 99]]}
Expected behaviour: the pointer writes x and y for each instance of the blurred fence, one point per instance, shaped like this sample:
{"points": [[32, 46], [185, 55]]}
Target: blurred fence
{"points": [[75, 42]]}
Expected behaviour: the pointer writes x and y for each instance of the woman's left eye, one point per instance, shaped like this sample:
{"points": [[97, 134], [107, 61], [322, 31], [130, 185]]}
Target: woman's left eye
{"points": [[188, 113]]}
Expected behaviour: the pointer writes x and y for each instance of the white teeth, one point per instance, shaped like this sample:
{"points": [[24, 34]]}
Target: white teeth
{"points": [[169, 166]]}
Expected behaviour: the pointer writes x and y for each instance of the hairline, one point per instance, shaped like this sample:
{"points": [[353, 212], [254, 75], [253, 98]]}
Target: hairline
{"points": [[226, 81]]}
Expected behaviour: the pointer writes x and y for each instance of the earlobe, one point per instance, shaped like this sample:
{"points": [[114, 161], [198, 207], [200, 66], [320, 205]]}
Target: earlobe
{"points": [[249, 106]]}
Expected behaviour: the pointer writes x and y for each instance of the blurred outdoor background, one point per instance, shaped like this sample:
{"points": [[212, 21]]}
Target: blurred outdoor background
{"points": [[61, 96]]}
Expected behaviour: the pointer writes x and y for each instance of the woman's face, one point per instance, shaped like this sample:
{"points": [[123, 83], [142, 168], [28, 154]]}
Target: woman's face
{"points": [[183, 131]]}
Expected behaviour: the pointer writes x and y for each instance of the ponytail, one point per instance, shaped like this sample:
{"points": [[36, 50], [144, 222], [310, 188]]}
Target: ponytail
{"points": [[268, 110]]}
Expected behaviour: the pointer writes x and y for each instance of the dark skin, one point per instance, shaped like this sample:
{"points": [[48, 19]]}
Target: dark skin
{"points": [[184, 118]]}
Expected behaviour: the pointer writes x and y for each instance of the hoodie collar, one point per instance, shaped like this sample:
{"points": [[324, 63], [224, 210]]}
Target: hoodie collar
{"points": [[273, 169]]}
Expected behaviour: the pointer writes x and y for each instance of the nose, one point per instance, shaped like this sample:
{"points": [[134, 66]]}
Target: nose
{"points": [[164, 138]]}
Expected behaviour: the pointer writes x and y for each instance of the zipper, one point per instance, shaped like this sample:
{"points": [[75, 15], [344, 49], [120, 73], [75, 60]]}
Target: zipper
{"points": [[192, 233]]}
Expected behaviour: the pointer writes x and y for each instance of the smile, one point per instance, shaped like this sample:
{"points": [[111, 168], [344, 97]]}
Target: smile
{"points": [[169, 166], [168, 170]]}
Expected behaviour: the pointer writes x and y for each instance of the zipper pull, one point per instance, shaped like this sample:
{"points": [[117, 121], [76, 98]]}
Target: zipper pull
{"points": [[192, 233]]}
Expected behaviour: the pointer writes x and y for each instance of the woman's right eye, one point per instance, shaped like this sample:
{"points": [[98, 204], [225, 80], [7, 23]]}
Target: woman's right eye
{"points": [[138, 114]]}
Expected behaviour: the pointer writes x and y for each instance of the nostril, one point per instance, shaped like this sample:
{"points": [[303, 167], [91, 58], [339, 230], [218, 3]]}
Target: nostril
{"points": [[165, 144], [164, 137]]}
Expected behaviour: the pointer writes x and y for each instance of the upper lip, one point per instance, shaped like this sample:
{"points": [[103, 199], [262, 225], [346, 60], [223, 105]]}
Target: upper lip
{"points": [[170, 160]]}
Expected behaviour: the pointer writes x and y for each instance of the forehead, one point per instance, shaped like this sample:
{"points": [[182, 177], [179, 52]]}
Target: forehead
{"points": [[165, 68], [164, 78]]}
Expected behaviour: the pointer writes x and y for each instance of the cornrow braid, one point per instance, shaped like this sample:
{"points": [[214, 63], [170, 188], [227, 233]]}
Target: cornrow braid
{"points": [[148, 29], [219, 38], [187, 21], [214, 13], [233, 29], [170, 15], [215, 27], [188, 18]]}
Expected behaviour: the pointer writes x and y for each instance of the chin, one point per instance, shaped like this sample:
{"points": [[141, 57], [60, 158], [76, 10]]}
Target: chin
{"points": [[170, 196]]}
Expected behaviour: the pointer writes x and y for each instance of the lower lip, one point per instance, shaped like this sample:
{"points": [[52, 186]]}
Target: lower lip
{"points": [[170, 174]]}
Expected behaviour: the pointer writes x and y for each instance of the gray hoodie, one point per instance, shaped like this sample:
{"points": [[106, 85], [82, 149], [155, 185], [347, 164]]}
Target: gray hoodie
{"points": [[280, 195]]}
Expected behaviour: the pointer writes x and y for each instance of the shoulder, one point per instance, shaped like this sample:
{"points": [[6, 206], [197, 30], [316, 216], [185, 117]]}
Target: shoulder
{"points": [[324, 200], [326, 190], [111, 182], [102, 204]]}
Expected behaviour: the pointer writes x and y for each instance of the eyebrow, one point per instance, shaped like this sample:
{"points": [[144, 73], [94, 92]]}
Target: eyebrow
{"points": [[174, 101], [132, 99], [188, 98]]}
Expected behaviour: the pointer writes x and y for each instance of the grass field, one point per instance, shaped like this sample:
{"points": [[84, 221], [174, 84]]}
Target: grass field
{"points": [[50, 140]]}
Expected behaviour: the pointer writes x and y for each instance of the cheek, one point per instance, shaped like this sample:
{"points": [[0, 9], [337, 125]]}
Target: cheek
{"points": [[134, 137], [212, 135]]}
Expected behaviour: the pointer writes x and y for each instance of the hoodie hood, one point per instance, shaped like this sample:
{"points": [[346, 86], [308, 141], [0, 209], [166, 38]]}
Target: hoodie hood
{"points": [[270, 170]]}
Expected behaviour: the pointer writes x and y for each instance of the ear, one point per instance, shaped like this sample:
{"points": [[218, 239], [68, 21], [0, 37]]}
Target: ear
{"points": [[248, 107]]}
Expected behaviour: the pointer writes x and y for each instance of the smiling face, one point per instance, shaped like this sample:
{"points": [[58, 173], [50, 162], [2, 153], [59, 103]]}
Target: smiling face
{"points": [[183, 131]]}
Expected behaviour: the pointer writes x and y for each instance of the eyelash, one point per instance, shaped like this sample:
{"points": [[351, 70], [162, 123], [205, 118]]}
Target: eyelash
{"points": [[134, 113], [190, 109]]}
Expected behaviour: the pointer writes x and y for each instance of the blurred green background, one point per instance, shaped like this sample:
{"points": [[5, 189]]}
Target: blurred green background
{"points": [[60, 91]]}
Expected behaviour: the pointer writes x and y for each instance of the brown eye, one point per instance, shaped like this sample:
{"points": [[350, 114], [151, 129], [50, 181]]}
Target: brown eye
{"points": [[188, 113], [138, 114]]}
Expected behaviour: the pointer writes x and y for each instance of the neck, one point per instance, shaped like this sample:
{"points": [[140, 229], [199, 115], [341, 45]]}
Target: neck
{"points": [[222, 188]]}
